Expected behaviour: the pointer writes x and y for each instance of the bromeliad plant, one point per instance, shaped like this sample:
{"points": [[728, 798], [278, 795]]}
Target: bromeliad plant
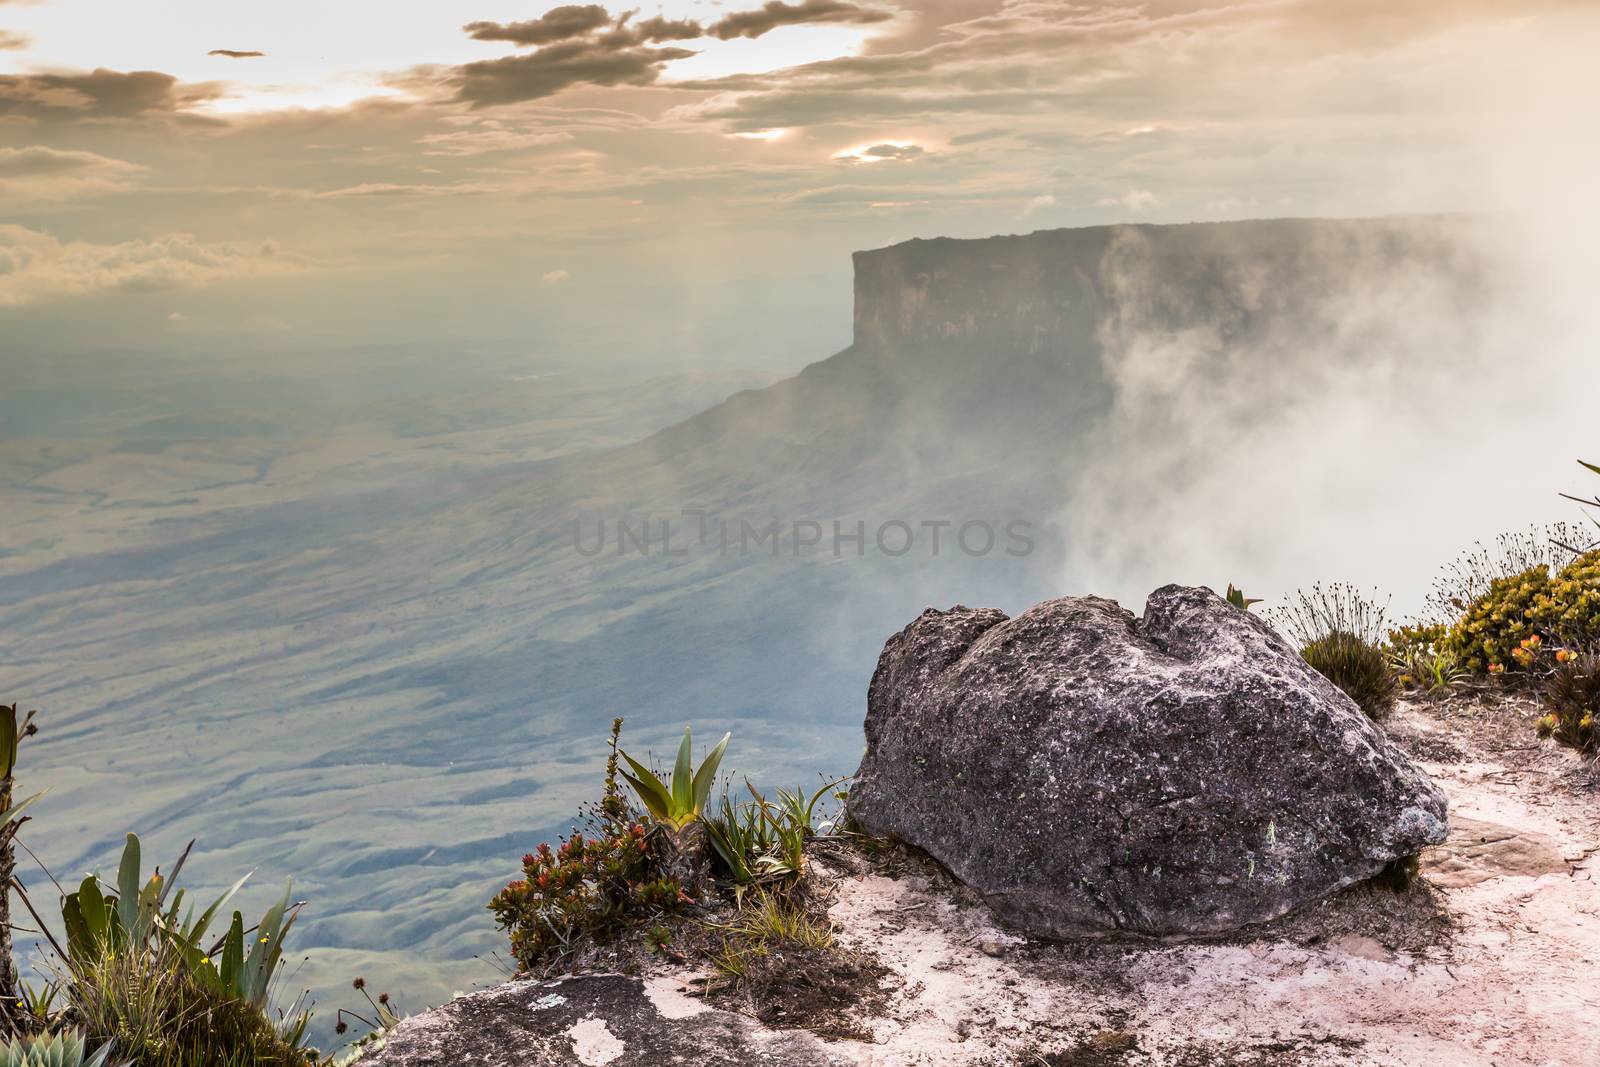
{"points": [[681, 801], [1236, 597], [621, 875], [765, 840], [677, 806]]}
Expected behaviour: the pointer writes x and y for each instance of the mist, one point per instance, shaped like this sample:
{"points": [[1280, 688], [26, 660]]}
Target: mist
{"points": [[1393, 424]]}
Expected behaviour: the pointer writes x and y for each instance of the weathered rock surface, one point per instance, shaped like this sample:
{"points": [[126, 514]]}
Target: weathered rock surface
{"points": [[603, 1020], [1478, 851], [1086, 770]]}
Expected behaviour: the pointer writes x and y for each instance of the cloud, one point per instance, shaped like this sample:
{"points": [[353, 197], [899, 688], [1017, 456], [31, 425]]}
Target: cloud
{"points": [[560, 66], [1137, 201], [13, 42], [775, 13], [230, 53], [38, 172], [877, 153], [489, 135], [100, 94], [1042, 202], [556, 277], [583, 44], [557, 24], [36, 266]]}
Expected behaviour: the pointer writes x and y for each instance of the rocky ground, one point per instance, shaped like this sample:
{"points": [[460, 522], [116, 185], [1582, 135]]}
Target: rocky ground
{"points": [[1492, 958]]}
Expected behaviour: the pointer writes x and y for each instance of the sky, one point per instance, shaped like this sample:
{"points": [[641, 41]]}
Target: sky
{"points": [[251, 176]]}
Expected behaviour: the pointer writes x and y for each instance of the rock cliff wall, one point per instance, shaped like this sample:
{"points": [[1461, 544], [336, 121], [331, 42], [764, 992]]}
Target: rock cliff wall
{"points": [[1054, 288]]}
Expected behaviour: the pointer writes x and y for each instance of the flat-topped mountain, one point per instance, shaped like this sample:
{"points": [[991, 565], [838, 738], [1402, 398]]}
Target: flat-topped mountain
{"points": [[457, 633]]}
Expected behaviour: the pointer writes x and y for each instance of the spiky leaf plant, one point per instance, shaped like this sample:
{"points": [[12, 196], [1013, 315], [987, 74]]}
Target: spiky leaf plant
{"points": [[1236, 597], [681, 800], [61, 1050]]}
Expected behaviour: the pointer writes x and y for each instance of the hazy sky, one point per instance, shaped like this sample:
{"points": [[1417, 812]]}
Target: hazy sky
{"points": [[492, 170]]}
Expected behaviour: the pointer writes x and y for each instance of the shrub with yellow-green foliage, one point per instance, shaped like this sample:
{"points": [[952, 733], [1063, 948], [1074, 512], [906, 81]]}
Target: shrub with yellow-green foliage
{"points": [[1570, 610], [1531, 607], [1496, 623]]}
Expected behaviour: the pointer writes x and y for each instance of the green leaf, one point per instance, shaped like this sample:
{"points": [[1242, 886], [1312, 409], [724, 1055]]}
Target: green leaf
{"points": [[128, 886], [8, 739], [707, 774], [196, 931], [651, 789], [265, 951], [683, 777], [233, 954], [15, 811]]}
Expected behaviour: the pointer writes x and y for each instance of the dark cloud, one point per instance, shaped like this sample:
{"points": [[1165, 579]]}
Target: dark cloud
{"points": [[886, 151], [557, 24], [662, 29], [233, 54], [559, 66], [776, 13], [100, 94], [585, 45], [594, 23]]}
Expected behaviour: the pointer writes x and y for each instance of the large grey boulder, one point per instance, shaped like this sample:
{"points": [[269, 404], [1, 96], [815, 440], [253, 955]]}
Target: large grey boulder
{"points": [[1086, 770]]}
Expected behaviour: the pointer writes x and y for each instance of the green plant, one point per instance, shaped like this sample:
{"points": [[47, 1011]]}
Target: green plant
{"points": [[141, 971], [773, 920], [1572, 694], [12, 730], [740, 834], [1468, 578], [154, 1010], [1519, 615], [586, 888], [1236, 597], [681, 801], [1419, 663], [1496, 623], [766, 839], [1339, 632], [658, 937], [1358, 667], [43, 1050], [1568, 611]]}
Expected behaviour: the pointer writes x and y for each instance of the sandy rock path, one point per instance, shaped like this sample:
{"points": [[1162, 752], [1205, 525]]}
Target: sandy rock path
{"points": [[1502, 967]]}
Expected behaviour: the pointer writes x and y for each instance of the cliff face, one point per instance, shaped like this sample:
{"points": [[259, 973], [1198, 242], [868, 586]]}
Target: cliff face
{"points": [[1024, 341], [1054, 289]]}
